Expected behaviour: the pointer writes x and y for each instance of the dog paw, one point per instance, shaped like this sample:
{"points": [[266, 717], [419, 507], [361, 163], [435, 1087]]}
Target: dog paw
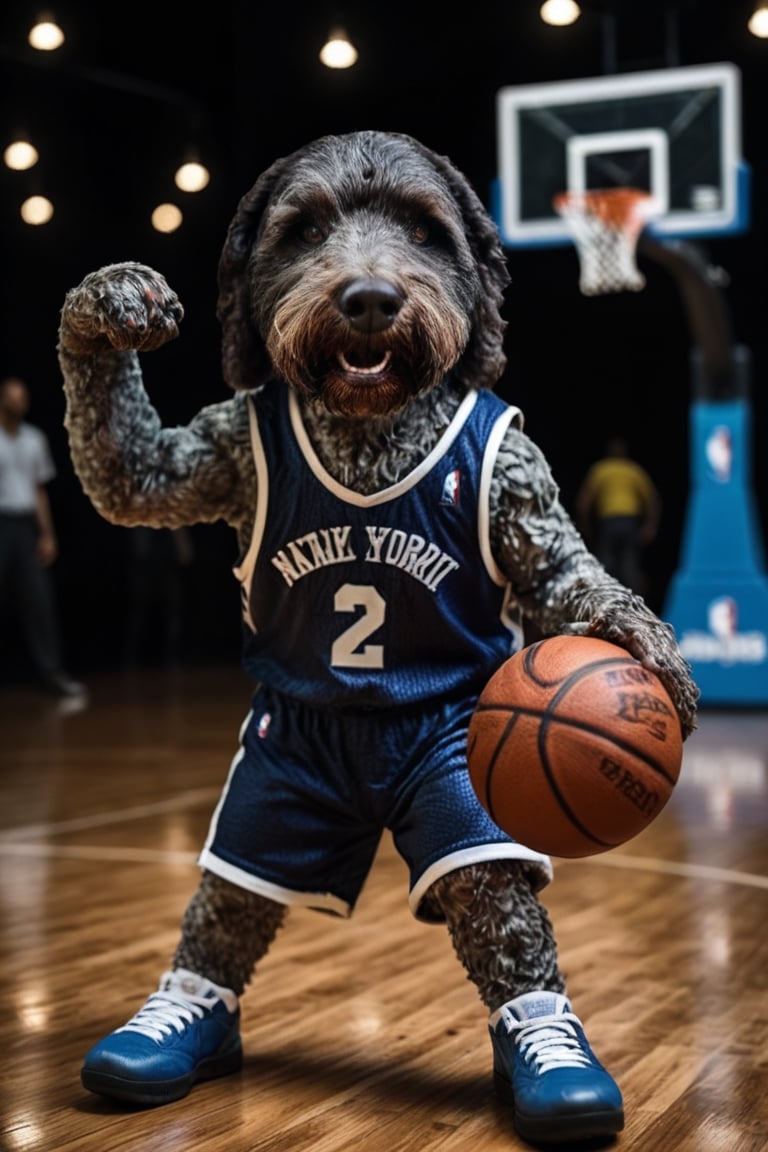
{"points": [[653, 643], [123, 306]]}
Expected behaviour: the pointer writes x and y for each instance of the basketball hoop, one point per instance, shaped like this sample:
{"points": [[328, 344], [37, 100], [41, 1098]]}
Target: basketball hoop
{"points": [[605, 224]]}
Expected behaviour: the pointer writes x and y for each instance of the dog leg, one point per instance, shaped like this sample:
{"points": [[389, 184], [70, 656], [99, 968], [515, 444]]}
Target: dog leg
{"points": [[226, 930], [500, 931], [543, 1065], [504, 939]]}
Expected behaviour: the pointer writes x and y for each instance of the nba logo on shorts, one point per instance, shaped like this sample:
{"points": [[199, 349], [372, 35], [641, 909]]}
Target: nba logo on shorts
{"points": [[451, 486]]}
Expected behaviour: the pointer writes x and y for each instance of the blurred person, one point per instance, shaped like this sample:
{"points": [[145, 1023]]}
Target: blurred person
{"points": [[618, 510], [28, 544]]}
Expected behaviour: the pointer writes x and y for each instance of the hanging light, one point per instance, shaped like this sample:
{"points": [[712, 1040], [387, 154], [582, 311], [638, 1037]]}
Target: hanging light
{"points": [[46, 35], [167, 218], [20, 155], [36, 210], [758, 22], [560, 12], [338, 50], [192, 176]]}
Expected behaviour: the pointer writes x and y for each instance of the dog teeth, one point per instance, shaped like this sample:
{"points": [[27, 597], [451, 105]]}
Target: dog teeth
{"points": [[368, 371]]}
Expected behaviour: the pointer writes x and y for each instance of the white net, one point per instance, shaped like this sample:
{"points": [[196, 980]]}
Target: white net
{"points": [[605, 225]]}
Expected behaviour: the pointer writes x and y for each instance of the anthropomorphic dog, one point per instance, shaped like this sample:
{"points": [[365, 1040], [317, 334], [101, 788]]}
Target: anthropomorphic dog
{"points": [[394, 525]]}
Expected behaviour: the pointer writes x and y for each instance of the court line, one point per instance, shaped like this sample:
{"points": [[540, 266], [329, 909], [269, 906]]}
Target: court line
{"points": [[707, 872], [191, 799], [98, 852], [20, 842], [673, 868]]}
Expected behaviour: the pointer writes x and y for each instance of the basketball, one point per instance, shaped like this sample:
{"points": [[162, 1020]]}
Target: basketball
{"points": [[574, 747]]}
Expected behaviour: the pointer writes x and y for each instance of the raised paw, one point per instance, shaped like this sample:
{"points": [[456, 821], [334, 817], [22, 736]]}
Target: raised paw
{"points": [[123, 306]]}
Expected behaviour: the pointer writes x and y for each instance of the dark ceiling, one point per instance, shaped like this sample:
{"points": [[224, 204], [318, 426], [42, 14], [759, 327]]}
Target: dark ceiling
{"points": [[114, 110], [134, 86]]}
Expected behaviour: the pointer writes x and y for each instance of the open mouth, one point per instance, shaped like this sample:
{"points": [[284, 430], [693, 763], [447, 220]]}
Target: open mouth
{"points": [[364, 369]]}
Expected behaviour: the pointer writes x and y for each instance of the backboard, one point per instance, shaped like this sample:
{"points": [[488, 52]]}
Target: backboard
{"points": [[674, 133]]}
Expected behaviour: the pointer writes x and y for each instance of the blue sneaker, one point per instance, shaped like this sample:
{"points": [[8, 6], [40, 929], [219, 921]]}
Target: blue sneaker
{"points": [[544, 1067], [187, 1031]]}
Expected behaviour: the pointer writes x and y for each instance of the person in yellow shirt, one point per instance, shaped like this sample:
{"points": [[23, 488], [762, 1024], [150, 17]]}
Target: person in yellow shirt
{"points": [[618, 507]]}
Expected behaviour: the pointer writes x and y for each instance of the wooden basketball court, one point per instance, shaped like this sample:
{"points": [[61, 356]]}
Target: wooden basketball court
{"points": [[360, 1035]]}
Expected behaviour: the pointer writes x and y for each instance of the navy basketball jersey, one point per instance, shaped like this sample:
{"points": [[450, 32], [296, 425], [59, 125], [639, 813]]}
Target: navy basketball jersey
{"points": [[353, 601]]}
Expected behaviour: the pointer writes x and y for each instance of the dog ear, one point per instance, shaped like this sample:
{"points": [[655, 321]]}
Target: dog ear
{"points": [[245, 361], [483, 360]]}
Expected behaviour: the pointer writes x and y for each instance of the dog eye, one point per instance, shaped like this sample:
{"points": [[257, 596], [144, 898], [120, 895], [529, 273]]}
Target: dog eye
{"points": [[310, 233], [420, 232]]}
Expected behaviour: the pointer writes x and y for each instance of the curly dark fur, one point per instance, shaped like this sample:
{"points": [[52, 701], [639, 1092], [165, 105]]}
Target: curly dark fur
{"points": [[500, 931], [226, 931], [323, 181], [365, 271]]}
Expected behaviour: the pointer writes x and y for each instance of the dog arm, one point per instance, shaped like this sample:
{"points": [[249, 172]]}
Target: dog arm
{"points": [[133, 470], [561, 587]]}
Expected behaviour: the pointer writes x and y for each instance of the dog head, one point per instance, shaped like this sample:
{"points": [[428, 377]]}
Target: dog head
{"points": [[363, 269]]}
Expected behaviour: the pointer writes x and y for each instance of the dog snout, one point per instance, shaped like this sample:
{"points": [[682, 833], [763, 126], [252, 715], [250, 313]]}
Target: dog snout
{"points": [[370, 305]]}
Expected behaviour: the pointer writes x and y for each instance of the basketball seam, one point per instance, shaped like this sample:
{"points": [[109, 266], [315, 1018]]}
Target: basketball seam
{"points": [[558, 685], [579, 674], [529, 657], [557, 793], [492, 763], [592, 729]]}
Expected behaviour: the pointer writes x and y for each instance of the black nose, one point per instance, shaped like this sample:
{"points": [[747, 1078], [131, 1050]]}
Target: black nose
{"points": [[370, 305]]}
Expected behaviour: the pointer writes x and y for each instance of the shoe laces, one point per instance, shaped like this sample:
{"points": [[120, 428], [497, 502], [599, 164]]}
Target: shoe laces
{"points": [[550, 1042], [166, 1011]]}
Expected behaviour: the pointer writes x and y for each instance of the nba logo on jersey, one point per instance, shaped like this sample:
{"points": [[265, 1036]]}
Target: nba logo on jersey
{"points": [[264, 723], [451, 485]]}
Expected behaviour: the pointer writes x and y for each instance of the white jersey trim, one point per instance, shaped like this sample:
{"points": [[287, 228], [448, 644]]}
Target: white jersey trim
{"points": [[441, 447], [244, 571], [483, 510]]}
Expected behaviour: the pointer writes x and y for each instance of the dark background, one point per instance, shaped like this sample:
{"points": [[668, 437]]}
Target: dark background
{"points": [[112, 113]]}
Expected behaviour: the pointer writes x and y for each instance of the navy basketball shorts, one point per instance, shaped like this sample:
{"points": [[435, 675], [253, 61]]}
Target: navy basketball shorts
{"points": [[310, 793]]}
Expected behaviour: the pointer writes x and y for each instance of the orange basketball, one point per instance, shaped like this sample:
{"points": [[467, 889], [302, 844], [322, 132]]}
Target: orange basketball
{"points": [[574, 747]]}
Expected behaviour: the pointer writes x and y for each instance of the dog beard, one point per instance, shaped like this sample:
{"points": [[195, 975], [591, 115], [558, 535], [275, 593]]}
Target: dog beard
{"points": [[363, 376], [352, 393], [378, 396]]}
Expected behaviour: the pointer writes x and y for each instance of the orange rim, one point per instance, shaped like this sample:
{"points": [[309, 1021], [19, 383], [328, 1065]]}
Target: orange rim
{"points": [[617, 207]]}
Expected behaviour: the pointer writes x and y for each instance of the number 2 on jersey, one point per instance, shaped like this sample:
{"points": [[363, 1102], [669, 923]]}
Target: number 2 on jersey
{"points": [[349, 649]]}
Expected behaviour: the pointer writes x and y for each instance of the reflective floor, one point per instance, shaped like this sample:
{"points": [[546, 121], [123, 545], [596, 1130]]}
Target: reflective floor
{"points": [[361, 1034]]}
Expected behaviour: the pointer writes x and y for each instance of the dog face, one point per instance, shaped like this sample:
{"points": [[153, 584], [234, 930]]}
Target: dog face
{"points": [[362, 269], [362, 279]]}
